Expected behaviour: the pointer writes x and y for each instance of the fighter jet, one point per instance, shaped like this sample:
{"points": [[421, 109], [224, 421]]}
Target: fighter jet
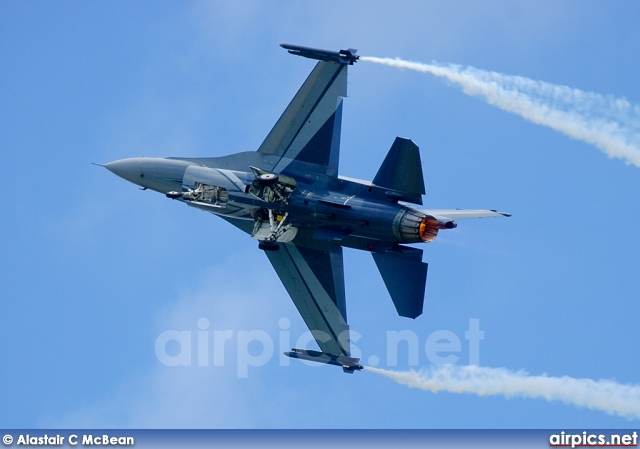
{"points": [[289, 196]]}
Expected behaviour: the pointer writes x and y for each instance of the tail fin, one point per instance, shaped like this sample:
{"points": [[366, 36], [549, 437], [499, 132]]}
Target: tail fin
{"points": [[405, 276], [401, 171]]}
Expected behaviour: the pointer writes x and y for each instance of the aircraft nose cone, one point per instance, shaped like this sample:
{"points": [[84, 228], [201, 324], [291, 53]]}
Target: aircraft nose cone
{"points": [[129, 169]]}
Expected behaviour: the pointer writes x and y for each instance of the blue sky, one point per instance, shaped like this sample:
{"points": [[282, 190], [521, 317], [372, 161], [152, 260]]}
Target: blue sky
{"points": [[94, 270]]}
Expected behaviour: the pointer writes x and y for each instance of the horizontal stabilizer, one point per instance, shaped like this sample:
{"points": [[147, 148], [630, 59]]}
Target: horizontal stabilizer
{"points": [[405, 276], [401, 171]]}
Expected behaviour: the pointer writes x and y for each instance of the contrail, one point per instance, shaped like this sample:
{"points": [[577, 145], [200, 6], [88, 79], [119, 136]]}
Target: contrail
{"points": [[605, 395], [611, 124]]}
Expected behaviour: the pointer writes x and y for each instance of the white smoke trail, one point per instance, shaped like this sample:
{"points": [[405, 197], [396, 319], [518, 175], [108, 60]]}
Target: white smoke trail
{"points": [[604, 395], [611, 124]]}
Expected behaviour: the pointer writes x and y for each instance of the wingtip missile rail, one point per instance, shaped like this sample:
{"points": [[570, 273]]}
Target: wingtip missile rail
{"points": [[348, 364], [347, 56]]}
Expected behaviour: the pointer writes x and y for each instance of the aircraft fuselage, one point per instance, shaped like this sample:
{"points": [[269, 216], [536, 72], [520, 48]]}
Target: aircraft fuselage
{"points": [[332, 208]]}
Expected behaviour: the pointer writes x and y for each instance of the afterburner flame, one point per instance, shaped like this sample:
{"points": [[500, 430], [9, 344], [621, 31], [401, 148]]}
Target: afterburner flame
{"points": [[429, 229]]}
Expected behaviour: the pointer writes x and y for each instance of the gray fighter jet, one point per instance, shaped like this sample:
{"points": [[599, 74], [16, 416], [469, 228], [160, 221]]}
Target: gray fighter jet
{"points": [[288, 196]]}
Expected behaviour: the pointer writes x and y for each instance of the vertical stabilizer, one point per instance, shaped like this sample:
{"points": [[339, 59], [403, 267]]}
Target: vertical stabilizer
{"points": [[401, 171]]}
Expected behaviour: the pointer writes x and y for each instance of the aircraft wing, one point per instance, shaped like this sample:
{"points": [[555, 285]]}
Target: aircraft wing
{"points": [[463, 214], [314, 278], [309, 129]]}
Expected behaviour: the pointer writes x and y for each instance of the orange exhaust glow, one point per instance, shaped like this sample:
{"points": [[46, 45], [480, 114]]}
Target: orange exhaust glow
{"points": [[428, 229]]}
